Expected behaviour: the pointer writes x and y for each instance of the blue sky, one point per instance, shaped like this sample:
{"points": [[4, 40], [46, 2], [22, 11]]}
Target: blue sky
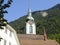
{"points": [[19, 8]]}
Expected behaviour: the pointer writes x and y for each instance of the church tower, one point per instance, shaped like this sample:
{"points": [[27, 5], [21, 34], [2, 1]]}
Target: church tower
{"points": [[30, 24]]}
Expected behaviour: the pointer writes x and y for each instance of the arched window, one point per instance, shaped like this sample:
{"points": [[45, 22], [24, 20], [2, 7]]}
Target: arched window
{"points": [[31, 29]]}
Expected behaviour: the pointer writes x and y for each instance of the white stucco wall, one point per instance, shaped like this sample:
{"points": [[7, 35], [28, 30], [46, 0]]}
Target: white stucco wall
{"points": [[9, 36]]}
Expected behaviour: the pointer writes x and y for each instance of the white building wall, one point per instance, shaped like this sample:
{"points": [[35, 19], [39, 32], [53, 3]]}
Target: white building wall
{"points": [[34, 28], [6, 36], [27, 28], [2, 43]]}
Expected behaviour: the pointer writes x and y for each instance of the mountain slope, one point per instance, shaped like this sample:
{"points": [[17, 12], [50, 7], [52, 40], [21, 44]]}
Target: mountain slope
{"points": [[52, 18], [50, 22]]}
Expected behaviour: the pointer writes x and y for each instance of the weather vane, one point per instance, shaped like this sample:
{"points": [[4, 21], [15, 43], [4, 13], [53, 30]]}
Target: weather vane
{"points": [[3, 6]]}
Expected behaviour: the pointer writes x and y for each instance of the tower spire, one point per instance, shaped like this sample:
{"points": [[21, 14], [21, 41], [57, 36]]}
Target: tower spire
{"points": [[29, 10], [30, 24]]}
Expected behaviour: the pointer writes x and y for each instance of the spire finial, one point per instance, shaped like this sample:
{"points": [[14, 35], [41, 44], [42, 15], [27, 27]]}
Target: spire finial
{"points": [[28, 5], [29, 10]]}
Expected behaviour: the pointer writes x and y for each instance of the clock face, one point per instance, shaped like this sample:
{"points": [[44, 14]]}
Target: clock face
{"points": [[30, 22]]}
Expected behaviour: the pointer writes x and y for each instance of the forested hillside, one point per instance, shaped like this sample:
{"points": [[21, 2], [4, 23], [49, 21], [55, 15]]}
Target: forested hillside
{"points": [[51, 22]]}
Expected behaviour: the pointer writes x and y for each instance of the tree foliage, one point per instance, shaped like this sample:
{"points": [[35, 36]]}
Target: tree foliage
{"points": [[3, 11]]}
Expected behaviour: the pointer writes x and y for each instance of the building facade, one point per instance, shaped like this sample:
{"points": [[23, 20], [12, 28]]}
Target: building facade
{"points": [[30, 24], [8, 36]]}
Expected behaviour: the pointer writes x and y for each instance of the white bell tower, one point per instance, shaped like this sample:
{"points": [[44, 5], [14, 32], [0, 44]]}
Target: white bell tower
{"points": [[30, 24]]}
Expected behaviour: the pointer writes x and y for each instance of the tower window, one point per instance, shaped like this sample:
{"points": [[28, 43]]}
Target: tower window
{"points": [[5, 30], [4, 42], [9, 43], [10, 33], [31, 29]]}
